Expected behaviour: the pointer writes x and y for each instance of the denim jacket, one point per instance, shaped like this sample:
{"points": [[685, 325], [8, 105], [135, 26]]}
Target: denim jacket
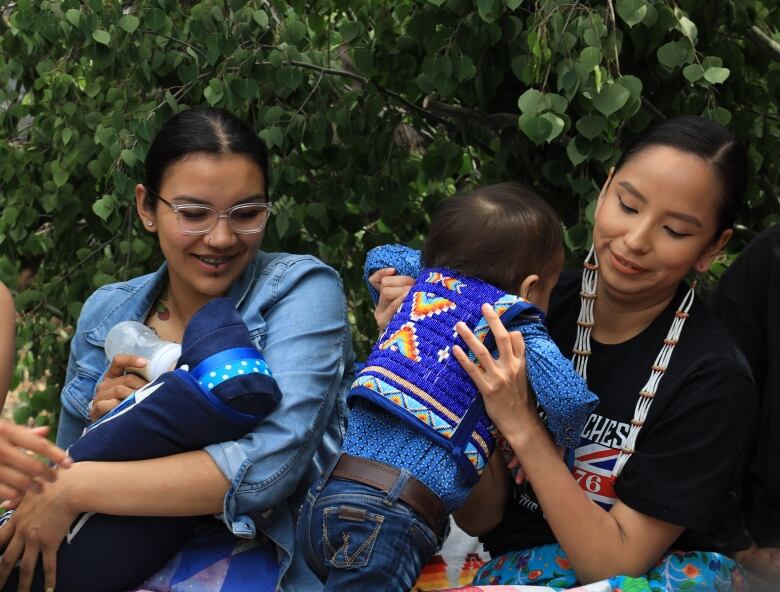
{"points": [[295, 309]]}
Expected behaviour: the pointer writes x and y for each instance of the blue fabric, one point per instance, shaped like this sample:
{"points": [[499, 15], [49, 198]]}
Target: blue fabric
{"points": [[404, 260], [412, 373], [213, 559], [173, 414], [295, 310], [677, 571], [383, 437], [356, 537], [548, 371]]}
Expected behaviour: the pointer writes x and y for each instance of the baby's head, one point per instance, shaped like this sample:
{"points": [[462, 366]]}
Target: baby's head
{"points": [[502, 234]]}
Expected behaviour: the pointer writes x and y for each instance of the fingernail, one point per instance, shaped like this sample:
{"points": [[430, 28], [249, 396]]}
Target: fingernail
{"points": [[140, 362], [66, 462], [49, 589]]}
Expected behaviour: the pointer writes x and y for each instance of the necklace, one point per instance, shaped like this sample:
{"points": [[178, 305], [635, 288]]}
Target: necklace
{"points": [[585, 323]]}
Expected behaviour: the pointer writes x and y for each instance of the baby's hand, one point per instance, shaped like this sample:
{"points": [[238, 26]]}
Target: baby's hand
{"points": [[513, 462]]}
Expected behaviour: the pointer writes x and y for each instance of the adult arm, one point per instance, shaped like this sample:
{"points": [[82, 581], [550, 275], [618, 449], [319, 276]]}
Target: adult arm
{"points": [[484, 507], [7, 341], [307, 345], [629, 542]]}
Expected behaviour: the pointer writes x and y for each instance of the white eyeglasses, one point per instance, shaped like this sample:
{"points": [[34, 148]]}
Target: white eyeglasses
{"points": [[247, 218]]}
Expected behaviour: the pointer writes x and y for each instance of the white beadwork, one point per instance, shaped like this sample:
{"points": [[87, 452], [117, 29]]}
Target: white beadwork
{"points": [[585, 322], [590, 278]]}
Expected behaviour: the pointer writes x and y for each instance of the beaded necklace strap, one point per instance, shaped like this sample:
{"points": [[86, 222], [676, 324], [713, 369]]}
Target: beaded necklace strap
{"points": [[585, 323]]}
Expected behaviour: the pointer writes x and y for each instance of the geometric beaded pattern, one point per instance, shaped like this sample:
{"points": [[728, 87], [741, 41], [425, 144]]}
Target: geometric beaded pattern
{"points": [[413, 368], [424, 414], [409, 404]]}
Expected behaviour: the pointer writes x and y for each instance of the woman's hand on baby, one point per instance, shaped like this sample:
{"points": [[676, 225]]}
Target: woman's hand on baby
{"points": [[392, 291], [117, 385], [20, 471], [35, 531], [502, 381]]}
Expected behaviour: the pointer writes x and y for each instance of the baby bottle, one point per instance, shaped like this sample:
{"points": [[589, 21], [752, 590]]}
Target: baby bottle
{"points": [[134, 338]]}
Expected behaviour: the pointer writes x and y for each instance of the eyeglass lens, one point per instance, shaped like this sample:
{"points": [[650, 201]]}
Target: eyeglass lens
{"points": [[242, 218]]}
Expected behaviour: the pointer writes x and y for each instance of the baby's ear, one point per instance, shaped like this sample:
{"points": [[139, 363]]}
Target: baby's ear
{"points": [[527, 286]]}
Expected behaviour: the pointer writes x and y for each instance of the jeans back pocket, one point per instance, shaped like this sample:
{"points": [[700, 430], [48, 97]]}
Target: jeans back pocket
{"points": [[348, 535]]}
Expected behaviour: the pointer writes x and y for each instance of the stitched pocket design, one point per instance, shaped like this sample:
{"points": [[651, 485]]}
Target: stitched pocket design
{"points": [[348, 535]]}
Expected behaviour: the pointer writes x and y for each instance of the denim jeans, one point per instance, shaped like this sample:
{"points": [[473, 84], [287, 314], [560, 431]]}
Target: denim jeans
{"points": [[356, 537]]}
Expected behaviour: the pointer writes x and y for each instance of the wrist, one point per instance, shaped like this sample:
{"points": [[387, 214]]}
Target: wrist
{"points": [[71, 486], [528, 440]]}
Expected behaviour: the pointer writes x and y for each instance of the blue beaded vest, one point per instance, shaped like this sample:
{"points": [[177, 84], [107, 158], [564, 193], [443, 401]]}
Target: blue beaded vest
{"points": [[412, 373]]}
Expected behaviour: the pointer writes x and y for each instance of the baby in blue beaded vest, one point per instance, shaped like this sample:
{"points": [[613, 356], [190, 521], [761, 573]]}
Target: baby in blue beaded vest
{"points": [[418, 436]]}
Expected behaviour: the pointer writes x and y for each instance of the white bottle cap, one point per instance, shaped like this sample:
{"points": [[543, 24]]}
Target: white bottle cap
{"points": [[162, 361]]}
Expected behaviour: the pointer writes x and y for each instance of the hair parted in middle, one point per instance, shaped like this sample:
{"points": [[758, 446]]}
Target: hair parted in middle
{"points": [[499, 234]]}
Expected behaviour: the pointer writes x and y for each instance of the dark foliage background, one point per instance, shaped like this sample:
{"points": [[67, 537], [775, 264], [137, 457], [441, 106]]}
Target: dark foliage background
{"points": [[373, 110]]}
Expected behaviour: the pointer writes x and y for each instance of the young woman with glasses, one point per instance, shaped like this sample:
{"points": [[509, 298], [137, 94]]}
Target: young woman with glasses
{"points": [[205, 197]]}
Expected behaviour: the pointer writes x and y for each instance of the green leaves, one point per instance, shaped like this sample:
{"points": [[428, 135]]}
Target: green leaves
{"points": [[715, 75], [101, 36], [261, 18], [463, 68], [294, 31], [214, 92], [73, 16], [129, 23], [104, 206], [351, 30], [489, 10], [591, 126], [632, 11], [611, 98], [540, 120], [693, 72], [390, 108], [672, 55]]}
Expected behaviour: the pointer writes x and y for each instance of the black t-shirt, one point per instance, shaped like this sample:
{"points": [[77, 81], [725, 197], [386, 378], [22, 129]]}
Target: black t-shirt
{"points": [[748, 302], [689, 448]]}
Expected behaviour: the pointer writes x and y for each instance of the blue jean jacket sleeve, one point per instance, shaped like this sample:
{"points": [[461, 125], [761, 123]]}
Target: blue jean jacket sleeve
{"points": [[81, 381], [307, 345]]}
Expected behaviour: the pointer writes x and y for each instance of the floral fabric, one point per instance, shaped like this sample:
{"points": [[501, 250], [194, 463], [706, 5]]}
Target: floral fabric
{"points": [[676, 572]]}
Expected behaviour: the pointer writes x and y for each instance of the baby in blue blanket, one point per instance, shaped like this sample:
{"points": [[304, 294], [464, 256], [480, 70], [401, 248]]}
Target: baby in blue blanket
{"points": [[221, 389], [419, 437]]}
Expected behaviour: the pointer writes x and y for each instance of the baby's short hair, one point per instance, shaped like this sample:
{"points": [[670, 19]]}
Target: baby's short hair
{"points": [[499, 233]]}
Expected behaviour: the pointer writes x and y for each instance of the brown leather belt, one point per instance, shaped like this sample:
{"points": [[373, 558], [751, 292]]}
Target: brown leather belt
{"points": [[376, 474]]}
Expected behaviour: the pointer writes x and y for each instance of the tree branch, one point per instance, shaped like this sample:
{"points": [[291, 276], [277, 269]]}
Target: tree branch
{"points": [[363, 80], [656, 112], [495, 121], [765, 43], [175, 40], [367, 81], [766, 185]]}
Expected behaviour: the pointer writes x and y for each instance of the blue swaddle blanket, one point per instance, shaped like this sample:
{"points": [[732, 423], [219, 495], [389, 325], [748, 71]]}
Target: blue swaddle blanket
{"points": [[221, 389]]}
